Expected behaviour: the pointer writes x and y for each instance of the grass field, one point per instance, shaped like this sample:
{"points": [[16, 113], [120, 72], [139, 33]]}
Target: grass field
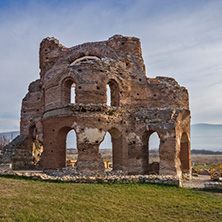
{"points": [[208, 159], [205, 167], [28, 200]]}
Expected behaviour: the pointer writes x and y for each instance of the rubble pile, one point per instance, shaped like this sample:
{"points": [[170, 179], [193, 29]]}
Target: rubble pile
{"points": [[70, 174], [213, 185]]}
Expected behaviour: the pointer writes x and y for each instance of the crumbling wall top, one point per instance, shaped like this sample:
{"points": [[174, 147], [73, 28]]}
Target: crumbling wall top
{"points": [[118, 47], [49, 52]]}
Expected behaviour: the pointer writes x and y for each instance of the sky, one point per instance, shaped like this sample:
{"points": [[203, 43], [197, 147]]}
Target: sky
{"points": [[180, 39]]}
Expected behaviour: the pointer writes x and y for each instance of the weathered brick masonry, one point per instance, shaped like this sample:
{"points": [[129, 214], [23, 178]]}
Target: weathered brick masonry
{"points": [[139, 107]]}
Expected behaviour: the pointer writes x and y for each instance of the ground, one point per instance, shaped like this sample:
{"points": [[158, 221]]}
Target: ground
{"points": [[196, 158], [197, 182], [28, 200]]}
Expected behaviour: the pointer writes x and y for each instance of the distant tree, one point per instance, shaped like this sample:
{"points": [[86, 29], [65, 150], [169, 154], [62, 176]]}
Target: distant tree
{"points": [[3, 141], [206, 152]]}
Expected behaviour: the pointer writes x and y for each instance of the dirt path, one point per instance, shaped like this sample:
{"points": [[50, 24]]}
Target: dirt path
{"points": [[196, 182]]}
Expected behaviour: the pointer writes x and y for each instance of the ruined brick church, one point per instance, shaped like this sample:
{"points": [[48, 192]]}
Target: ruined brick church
{"points": [[139, 107]]}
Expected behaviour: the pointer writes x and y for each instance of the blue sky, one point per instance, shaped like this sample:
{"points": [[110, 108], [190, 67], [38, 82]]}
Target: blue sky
{"points": [[180, 39]]}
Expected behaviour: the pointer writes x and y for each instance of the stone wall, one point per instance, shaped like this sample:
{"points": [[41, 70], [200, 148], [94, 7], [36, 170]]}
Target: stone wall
{"points": [[139, 107], [71, 175]]}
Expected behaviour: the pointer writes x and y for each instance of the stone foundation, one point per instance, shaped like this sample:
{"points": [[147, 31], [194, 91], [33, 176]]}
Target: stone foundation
{"points": [[73, 176]]}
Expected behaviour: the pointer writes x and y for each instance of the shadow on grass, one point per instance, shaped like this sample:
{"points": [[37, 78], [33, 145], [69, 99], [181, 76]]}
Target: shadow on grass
{"points": [[208, 190], [32, 179]]}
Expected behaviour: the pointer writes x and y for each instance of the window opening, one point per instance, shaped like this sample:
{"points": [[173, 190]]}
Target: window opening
{"points": [[112, 93], [71, 149], [73, 93], [108, 93], [153, 150], [105, 149]]}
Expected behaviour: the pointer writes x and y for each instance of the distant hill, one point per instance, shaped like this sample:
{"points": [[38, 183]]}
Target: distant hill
{"points": [[203, 137], [206, 126], [206, 152], [10, 135]]}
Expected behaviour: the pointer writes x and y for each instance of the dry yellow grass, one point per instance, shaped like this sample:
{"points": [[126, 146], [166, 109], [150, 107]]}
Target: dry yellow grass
{"points": [[154, 157]]}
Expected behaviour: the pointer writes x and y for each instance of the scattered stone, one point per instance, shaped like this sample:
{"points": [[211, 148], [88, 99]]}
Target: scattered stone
{"points": [[71, 175], [213, 185]]}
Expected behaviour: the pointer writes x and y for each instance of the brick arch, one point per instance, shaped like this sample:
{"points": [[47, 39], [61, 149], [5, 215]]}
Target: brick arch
{"points": [[58, 78], [97, 49], [150, 132], [85, 58]]}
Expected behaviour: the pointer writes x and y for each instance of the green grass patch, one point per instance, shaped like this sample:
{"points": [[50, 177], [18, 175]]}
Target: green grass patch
{"points": [[205, 167], [28, 200]]}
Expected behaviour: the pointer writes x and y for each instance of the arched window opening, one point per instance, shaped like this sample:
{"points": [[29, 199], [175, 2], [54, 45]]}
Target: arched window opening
{"points": [[184, 153], [69, 91], [73, 93], [153, 150], [112, 93], [71, 149], [108, 93]]}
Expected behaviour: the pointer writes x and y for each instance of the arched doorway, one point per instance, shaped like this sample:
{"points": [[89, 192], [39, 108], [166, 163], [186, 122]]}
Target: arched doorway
{"points": [[71, 148], [154, 158], [63, 142], [113, 141], [112, 93], [105, 149], [151, 143], [184, 154]]}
